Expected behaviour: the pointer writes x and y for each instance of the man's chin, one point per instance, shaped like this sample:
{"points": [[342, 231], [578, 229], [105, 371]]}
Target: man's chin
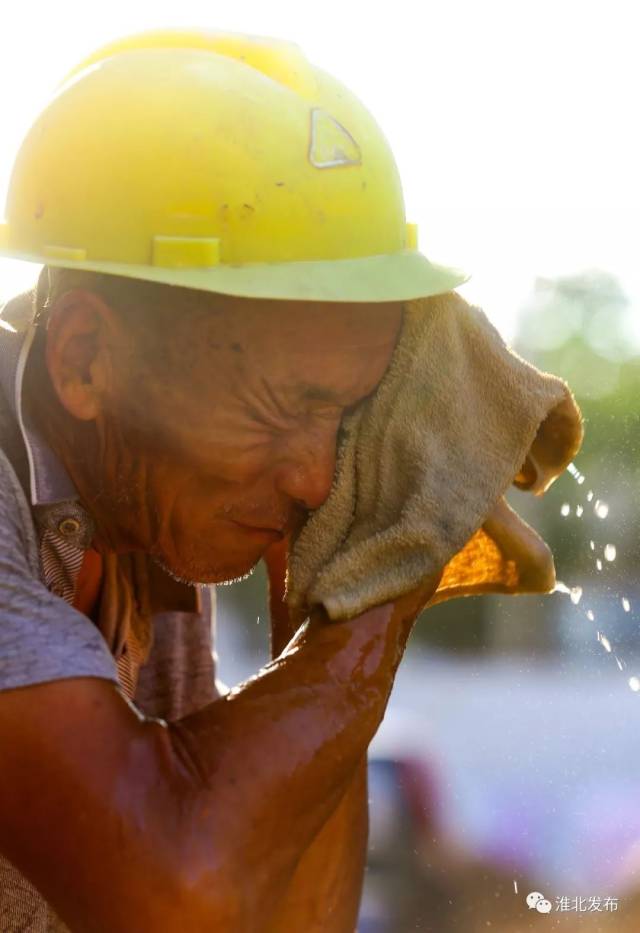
{"points": [[197, 574]]}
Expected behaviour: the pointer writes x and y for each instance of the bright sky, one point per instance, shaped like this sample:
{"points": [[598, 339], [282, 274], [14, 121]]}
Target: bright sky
{"points": [[514, 124]]}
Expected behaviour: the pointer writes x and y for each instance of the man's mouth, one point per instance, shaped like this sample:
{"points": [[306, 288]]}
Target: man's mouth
{"points": [[278, 529], [273, 534]]}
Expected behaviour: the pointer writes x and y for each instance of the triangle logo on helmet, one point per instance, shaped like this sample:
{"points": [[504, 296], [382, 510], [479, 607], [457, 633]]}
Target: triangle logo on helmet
{"points": [[330, 144]]}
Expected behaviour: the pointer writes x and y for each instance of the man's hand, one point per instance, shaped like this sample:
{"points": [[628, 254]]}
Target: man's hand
{"points": [[404, 610]]}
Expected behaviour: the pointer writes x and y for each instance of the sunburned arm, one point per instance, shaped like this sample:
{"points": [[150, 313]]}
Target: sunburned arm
{"points": [[323, 895], [128, 824]]}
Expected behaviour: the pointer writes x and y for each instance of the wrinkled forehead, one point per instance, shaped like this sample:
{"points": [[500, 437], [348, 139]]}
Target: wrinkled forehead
{"points": [[253, 325], [324, 353], [243, 360], [304, 341]]}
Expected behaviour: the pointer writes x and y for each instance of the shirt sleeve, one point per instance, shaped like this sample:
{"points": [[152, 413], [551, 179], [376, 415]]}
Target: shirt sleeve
{"points": [[42, 637]]}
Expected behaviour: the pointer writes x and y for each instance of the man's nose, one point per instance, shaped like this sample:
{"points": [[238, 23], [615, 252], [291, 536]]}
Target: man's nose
{"points": [[306, 466]]}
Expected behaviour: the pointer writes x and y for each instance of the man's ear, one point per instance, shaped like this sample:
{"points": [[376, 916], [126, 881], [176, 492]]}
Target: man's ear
{"points": [[80, 332]]}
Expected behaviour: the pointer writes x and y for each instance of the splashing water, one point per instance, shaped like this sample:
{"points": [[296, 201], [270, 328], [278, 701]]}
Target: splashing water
{"points": [[574, 592], [575, 472], [604, 641]]}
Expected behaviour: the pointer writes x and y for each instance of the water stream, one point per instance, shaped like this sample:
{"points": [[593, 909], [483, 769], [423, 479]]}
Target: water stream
{"points": [[609, 553]]}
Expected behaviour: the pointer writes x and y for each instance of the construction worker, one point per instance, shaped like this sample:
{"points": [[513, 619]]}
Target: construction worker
{"points": [[225, 256]]}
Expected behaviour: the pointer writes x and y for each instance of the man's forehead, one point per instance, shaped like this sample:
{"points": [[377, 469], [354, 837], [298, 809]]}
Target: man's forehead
{"points": [[262, 311], [309, 351]]}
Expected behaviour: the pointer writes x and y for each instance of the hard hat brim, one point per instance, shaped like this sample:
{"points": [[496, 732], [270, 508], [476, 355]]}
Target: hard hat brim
{"points": [[399, 277]]}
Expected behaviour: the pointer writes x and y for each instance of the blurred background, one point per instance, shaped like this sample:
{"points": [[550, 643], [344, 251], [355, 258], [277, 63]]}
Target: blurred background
{"points": [[508, 761]]}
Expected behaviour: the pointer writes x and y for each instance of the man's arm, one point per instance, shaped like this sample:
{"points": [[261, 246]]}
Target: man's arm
{"points": [[324, 893], [130, 824]]}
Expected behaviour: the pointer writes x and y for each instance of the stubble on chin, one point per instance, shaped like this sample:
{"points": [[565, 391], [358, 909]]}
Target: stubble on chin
{"points": [[192, 575]]}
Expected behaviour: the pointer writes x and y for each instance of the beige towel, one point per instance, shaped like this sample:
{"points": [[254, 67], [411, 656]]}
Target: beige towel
{"points": [[423, 465]]}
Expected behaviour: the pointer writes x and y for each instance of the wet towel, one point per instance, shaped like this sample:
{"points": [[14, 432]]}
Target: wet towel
{"points": [[423, 465]]}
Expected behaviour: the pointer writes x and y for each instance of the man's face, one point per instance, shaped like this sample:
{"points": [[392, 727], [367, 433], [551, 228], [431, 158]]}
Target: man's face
{"points": [[242, 442]]}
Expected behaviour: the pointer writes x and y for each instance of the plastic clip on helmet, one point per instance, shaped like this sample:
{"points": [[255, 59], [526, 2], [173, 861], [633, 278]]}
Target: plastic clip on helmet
{"points": [[220, 162]]}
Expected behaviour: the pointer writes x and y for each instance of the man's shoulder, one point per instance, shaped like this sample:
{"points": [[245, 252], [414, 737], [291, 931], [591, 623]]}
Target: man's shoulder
{"points": [[16, 521], [15, 459], [42, 638]]}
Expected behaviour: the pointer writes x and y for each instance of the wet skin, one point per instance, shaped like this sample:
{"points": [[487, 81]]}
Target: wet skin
{"points": [[249, 815]]}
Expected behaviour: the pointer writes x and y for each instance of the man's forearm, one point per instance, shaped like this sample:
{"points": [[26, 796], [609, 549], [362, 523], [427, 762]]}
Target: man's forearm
{"points": [[274, 757], [324, 893]]}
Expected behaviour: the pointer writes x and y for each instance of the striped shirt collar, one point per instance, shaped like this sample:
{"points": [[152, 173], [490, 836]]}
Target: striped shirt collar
{"points": [[49, 482]]}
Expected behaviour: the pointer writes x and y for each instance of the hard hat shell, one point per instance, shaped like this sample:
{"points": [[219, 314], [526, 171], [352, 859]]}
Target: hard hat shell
{"points": [[218, 162]]}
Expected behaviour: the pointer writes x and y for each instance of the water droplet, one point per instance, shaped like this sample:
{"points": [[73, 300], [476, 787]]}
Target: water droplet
{"points": [[590, 495], [604, 641], [599, 564], [575, 472], [579, 511], [576, 594], [626, 605], [592, 545], [609, 552], [601, 509], [619, 662], [634, 683], [566, 508], [590, 615]]}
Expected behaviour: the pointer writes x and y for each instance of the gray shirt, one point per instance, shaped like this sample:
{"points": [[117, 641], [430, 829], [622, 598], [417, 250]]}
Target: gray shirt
{"points": [[42, 637]]}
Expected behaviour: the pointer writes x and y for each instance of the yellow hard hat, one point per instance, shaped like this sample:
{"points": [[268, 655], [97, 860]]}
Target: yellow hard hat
{"points": [[220, 162]]}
